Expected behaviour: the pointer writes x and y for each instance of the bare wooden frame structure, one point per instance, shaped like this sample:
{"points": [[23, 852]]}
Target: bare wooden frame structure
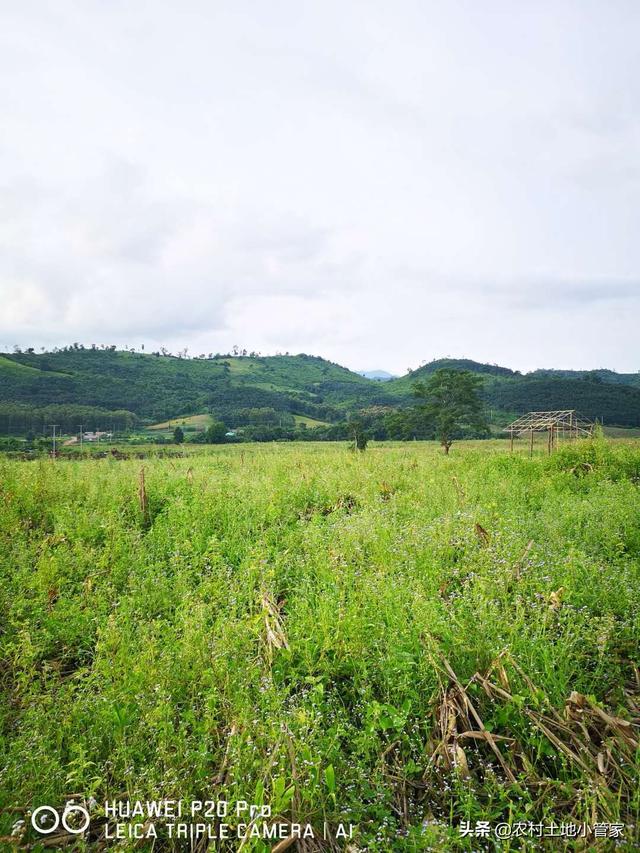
{"points": [[562, 423]]}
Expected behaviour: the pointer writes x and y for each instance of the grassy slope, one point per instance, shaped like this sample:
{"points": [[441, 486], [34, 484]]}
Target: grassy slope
{"points": [[311, 423], [198, 421], [137, 657], [11, 366]]}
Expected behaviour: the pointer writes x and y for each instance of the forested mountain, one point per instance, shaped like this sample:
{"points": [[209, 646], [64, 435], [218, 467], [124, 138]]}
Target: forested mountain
{"points": [[600, 375], [459, 364], [93, 386], [610, 403]]}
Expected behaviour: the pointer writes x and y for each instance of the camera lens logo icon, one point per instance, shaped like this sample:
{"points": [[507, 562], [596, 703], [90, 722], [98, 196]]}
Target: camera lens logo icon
{"points": [[46, 819]]}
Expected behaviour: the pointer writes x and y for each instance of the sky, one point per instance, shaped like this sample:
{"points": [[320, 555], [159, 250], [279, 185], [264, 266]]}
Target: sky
{"points": [[378, 183]]}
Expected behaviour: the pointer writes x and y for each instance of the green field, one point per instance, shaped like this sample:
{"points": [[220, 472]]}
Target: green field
{"points": [[393, 639], [621, 432]]}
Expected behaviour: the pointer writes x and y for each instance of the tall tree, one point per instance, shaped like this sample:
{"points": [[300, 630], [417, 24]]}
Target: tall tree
{"points": [[216, 433], [451, 403], [178, 435], [357, 432]]}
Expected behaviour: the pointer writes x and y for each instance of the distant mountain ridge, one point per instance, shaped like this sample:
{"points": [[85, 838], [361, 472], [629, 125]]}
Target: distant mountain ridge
{"points": [[155, 387], [378, 375]]}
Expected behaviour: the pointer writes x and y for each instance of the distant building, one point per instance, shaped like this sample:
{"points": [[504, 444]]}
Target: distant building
{"points": [[96, 436]]}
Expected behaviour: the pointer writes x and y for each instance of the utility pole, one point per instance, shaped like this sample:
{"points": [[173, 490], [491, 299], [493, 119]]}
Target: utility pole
{"points": [[54, 427]]}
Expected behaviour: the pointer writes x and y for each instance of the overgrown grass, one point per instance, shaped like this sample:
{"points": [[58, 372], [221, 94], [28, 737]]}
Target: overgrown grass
{"points": [[286, 615]]}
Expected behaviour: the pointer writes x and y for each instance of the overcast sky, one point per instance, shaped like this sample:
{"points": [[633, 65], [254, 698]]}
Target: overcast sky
{"points": [[380, 183]]}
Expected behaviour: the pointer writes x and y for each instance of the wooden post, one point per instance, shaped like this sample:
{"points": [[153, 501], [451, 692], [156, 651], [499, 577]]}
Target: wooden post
{"points": [[511, 434], [531, 446], [142, 496]]}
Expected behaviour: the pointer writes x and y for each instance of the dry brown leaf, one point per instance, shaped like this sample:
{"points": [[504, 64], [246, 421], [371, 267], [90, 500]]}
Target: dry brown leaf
{"points": [[555, 599], [460, 760], [482, 534], [484, 735]]}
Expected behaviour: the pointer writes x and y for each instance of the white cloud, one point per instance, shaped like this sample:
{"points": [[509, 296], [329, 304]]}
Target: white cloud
{"points": [[378, 184]]}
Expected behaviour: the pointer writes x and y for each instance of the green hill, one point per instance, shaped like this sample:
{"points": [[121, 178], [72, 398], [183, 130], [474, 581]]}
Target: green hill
{"points": [[610, 403], [154, 387], [600, 394], [600, 375], [403, 385], [125, 389]]}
